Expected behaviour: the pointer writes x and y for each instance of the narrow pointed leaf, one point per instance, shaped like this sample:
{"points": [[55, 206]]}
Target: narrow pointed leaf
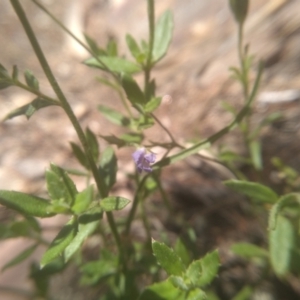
{"points": [[152, 104], [162, 291], [25, 204], [113, 140], [210, 264], [255, 151], [3, 72], [194, 272], [168, 259], [163, 36], [258, 192], [15, 73], [114, 116], [60, 242], [133, 46], [31, 80], [80, 155], [93, 143], [83, 200], [278, 206], [84, 231], [132, 90], [93, 214], [20, 257], [108, 169], [112, 48], [281, 243], [113, 203], [248, 250], [178, 282], [244, 294], [60, 185], [114, 64], [182, 252], [29, 109], [5, 83], [197, 294], [93, 46]]}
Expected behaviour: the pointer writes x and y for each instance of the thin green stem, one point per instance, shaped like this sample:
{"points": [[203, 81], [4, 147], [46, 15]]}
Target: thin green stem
{"points": [[66, 106], [148, 66], [36, 92], [125, 104], [64, 103], [146, 224], [135, 203], [63, 27], [208, 141], [166, 130], [162, 192], [242, 58]]}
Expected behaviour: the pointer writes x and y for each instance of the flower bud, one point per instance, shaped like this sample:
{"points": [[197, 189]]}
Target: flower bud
{"points": [[239, 9]]}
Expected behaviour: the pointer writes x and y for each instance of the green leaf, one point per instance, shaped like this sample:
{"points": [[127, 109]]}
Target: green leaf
{"points": [[113, 203], [60, 242], [194, 272], [112, 48], [114, 64], [278, 206], [143, 122], [92, 272], [31, 80], [80, 155], [178, 282], [182, 252], [168, 259], [93, 143], [244, 294], [152, 104], [33, 223], [255, 151], [281, 243], [4, 83], [20, 257], [84, 231], [21, 228], [210, 265], [132, 90], [258, 192], [93, 45], [60, 185], [29, 109], [108, 169], [15, 73], [125, 139], [133, 46], [83, 200], [3, 73], [114, 116], [93, 214], [113, 140], [197, 294], [248, 250], [162, 36], [162, 291], [25, 204], [132, 138]]}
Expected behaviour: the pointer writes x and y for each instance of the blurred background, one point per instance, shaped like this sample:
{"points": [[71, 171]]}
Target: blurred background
{"points": [[194, 73]]}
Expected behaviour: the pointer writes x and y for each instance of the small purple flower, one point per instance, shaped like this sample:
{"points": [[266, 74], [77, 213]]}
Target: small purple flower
{"points": [[143, 160]]}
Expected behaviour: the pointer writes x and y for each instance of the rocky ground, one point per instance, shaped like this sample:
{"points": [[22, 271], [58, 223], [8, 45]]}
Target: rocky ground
{"points": [[194, 73]]}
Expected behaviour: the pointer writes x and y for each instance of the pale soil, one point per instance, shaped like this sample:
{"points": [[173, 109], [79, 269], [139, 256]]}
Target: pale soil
{"points": [[195, 74]]}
